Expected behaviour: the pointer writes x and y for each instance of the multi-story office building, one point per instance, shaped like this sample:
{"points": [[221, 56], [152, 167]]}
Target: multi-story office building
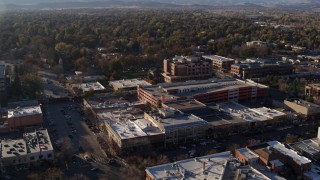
{"points": [[205, 91], [251, 70], [307, 109], [181, 68], [219, 62]]}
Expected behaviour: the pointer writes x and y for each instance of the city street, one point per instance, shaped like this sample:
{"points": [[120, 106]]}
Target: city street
{"points": [[83, 142]]}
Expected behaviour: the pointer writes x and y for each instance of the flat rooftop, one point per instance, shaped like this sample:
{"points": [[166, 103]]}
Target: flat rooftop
{"points": [[128, 122], [241, 112], [24, 111], [32, 142], [37, 141], [213, 167], [12, 148], [109, 102], [288, 152], [185, 105], [309, 146], [304, 103], [193, 88], [247, 153], [128, 83], [95, 86], [217, 58], [2, 70], [270, 113], [181, 121], [248, 172]]}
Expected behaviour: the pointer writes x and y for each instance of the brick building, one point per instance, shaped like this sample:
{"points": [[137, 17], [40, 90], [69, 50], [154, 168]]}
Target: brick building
{"points": [[251, 70], [219, 62], [205, 91], [181, 68]]}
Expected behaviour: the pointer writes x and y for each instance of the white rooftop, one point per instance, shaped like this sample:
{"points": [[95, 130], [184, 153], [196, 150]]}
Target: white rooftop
{"points": [[86, 87], [247, 153], [11, 148], [217, 58], [270, 113], [128, 123], [310, 146], [288, 152], [242, 112], [38, 141], [128, 83], [180, 121], [206, 167], [25, 111]]}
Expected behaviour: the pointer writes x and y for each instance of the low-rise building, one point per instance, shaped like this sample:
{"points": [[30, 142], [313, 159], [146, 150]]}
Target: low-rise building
{"points": [[128, 84], [87, 87], [205, 91], [307, 109], [276, 155], [178, 128], [254, 69], [182, 68], [246, 156], [219, 62], [128, 128], [312, 90], [215, 166], [19, 118], [309, 147], [34, 146]]}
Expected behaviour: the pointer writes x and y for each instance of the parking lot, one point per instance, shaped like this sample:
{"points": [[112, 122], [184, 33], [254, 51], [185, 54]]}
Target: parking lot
{"points": [[65, 121]]}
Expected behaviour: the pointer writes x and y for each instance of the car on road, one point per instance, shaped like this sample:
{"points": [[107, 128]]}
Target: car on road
{"points": [[94, 169], [183, 147]]}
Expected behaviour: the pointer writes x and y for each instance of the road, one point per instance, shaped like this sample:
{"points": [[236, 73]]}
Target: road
{"points": [[84, 138]]}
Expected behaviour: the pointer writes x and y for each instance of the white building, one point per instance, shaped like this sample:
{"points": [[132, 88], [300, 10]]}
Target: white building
{"points": [[34, 146], [128, 84]]}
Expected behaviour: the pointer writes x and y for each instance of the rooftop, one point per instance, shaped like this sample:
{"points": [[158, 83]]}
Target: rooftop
{"points": [[109, 102], [241, 112], [270, 113], [24, 111], [11, 148], [193, 88], [247, 153], [205, 167], [217, 58], [288, 152], [185, 104], [95, 86], [128, 83], [128, 122], [309, 146], [30, 143], [180, 121], [2, 70], [304, 103], [248, 173], [38, 141]]}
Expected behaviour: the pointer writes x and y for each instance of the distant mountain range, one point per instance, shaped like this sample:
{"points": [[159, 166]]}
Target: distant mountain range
{"points": [[36, 4]]}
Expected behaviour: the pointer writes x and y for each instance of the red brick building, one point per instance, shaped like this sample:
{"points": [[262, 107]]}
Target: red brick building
{"points": [[181, 69], [206, 91]]}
